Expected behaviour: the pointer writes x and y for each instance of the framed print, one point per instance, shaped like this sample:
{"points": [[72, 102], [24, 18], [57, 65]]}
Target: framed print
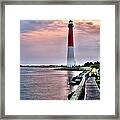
{"points": [[59, 60]]}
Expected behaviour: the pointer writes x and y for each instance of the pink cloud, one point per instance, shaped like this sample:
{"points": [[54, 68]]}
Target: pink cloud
{"points": [[46, 41]]}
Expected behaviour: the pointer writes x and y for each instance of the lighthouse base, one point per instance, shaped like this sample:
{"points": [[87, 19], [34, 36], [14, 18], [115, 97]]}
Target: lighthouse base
{"points": [[70, 57]]}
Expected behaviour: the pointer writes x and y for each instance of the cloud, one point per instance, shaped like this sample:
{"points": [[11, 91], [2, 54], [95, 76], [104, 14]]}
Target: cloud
{"points": [[35, 25], [88, 27], [45, 41]]}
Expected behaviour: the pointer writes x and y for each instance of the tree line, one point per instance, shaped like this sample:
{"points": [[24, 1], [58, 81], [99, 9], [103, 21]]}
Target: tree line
{"points": [[92, 64]]}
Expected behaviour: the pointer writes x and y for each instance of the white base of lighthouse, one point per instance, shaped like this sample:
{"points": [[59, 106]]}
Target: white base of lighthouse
{"points": [[70, 57]]}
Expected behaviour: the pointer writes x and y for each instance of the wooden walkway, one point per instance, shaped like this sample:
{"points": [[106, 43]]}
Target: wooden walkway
{"points": [[92, 91]]}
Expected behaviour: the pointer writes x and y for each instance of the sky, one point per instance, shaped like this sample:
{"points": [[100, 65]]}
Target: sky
{"points": [[45, 41]]}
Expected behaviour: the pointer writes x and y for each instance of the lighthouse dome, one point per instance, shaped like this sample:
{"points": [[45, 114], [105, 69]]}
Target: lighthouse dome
{"points": [[70, 22]]}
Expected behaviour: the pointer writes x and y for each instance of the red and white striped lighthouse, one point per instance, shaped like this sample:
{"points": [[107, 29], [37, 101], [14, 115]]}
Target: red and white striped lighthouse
{"points": [[70, 53]]}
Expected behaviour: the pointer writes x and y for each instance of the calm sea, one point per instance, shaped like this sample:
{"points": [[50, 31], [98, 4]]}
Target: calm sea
{"points": [[45, 83]]}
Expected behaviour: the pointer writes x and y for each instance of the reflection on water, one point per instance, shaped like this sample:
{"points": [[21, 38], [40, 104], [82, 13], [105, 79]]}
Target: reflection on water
{"points": [[72, 74], [45, 83]]}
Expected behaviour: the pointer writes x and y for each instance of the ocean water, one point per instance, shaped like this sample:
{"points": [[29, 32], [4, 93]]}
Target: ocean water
{"points": [[45, 83]]}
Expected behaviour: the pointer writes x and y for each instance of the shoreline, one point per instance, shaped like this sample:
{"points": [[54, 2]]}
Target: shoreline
{"points": [[76, 68]]}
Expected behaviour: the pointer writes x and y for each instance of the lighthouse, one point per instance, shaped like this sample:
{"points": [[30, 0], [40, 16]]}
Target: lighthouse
{"points": [[70, 52]]}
